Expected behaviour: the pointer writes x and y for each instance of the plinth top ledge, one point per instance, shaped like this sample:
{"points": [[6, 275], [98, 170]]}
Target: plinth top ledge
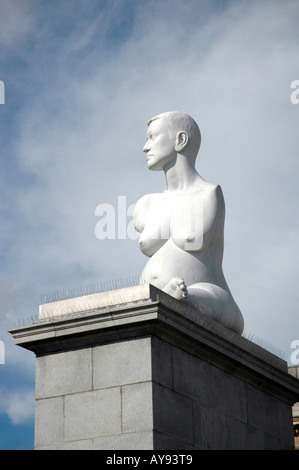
{"points": [[95, 301]]}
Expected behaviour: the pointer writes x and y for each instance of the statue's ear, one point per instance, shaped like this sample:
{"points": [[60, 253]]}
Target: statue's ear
{"points": [[181, 141]]}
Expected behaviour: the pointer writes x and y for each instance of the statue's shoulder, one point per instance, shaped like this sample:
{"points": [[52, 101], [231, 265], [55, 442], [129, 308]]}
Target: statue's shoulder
{"points": [[210, 189], [216, 190], [209, 186], [216, 194], [211, 196]]}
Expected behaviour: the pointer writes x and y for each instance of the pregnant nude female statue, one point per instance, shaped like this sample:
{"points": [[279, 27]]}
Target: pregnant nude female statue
{"points": [[181, 229]]}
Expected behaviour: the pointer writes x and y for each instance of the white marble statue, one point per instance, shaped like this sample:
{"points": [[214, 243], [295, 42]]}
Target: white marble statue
{"points": [[181, 229]]}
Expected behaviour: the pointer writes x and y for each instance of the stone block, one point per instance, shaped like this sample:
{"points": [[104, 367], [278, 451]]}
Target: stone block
{"points": [[48, 421], [63, 373], [246, 437], [75, 445], [191, 376], [263, 412], [211, 430], [92, 414], [162, 370], [229, 395], [122, 363], [142, 440], [137, 403], [86, 444], [165, 442], [173, 413]]}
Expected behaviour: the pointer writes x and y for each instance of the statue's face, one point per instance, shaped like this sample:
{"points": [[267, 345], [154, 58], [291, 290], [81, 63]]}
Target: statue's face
{"points": [[160, 145]]}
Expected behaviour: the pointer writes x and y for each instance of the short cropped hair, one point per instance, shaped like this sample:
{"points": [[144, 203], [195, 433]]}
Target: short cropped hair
{"points": [[181, 122]]}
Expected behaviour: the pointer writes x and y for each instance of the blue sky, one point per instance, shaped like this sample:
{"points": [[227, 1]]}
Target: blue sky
{"points": [[81, 80]]}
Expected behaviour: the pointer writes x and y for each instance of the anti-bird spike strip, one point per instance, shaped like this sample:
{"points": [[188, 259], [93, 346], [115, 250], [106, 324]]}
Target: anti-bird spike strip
{"points": [[104, 286]]}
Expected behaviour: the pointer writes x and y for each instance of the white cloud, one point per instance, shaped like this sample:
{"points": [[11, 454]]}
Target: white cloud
{"points": [[18, 405]]}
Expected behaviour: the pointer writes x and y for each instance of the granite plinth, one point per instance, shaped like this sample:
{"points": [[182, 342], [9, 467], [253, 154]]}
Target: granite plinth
{"points": [[144, 371]]}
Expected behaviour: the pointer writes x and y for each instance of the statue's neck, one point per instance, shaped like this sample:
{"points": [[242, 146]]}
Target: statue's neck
{"points": [[180, 176]]}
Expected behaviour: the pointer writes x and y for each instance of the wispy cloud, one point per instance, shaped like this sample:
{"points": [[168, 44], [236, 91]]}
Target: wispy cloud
{"points": [[17, 19], [92, 78]]}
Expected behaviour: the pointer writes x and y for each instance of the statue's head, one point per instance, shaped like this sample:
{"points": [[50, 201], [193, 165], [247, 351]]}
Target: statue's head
{"points": [[177, 132]]}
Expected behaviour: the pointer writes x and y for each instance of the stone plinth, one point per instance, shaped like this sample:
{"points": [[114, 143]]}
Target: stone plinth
{"points": [[135, 369]]}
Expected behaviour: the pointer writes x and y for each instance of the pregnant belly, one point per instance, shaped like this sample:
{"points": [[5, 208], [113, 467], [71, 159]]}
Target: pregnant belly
{"points": [[171, 261]]}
